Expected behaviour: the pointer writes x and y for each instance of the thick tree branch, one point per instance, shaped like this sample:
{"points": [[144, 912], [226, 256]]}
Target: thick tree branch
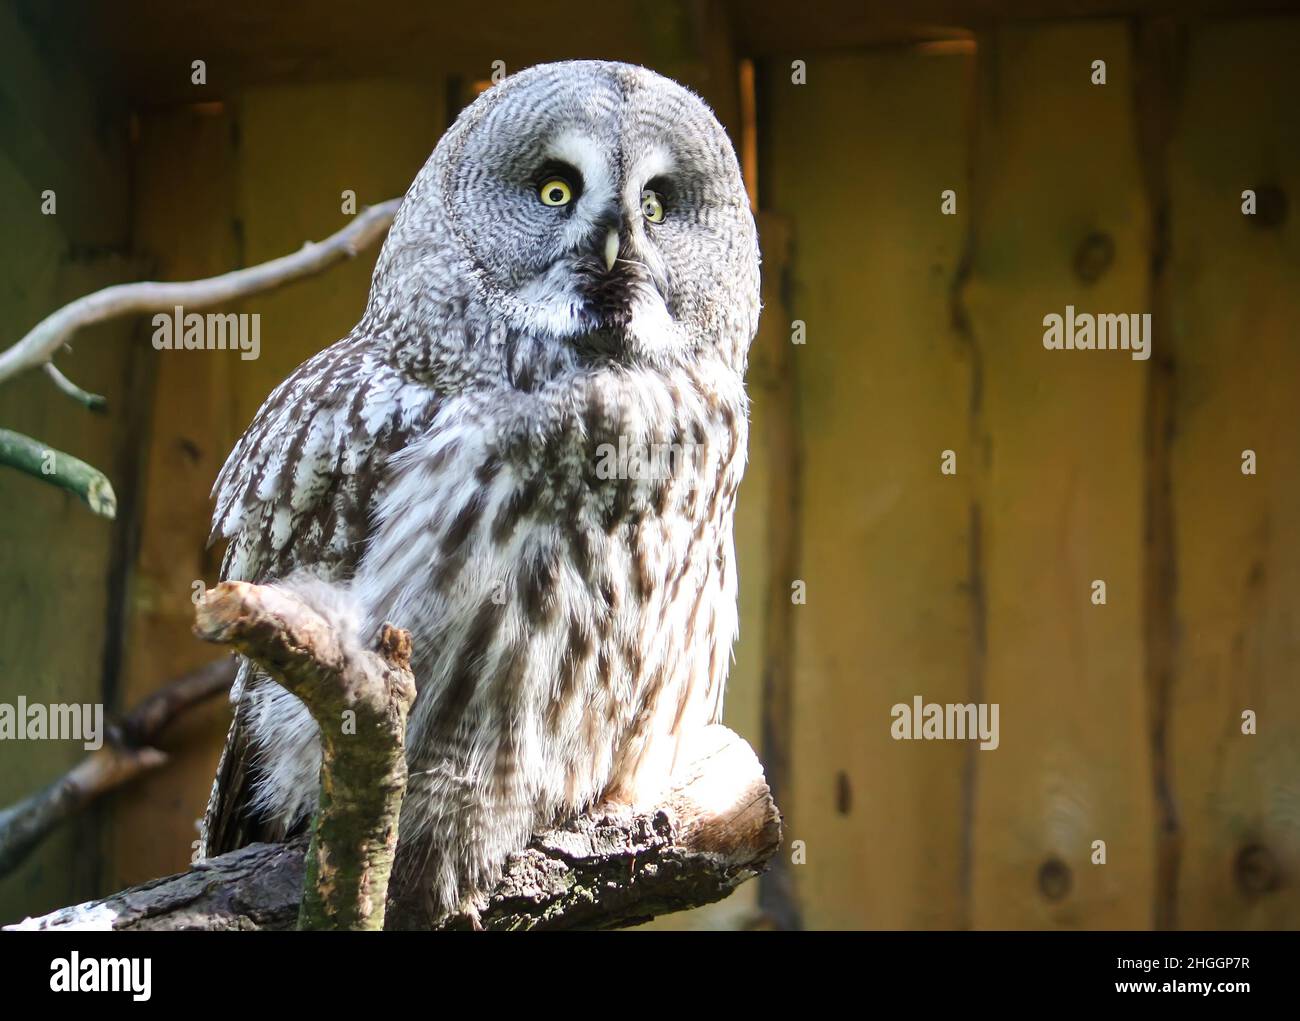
{"points": [[716, 828], [359, 699], [38, 347], [58, 469], [127, 752]]}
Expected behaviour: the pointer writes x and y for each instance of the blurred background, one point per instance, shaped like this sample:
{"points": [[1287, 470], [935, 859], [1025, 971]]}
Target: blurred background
{"points": [[921, 333]]}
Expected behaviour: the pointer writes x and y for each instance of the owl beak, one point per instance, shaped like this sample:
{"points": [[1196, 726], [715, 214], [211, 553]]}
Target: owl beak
{"points": [[611, 248]]}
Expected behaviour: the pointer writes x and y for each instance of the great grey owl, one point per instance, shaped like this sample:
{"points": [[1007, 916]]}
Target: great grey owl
{"points": [[527, 453]]}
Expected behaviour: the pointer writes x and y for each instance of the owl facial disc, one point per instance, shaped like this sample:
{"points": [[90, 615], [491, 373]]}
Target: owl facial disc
{"points": [[595, 208]]}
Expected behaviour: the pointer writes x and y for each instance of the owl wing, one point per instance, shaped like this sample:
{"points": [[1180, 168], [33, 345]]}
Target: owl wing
{"points": [[297, 492]]}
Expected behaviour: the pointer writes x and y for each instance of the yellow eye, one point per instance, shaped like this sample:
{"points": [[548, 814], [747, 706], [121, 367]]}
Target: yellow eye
{"points": [[652, 207], [555, 191]]}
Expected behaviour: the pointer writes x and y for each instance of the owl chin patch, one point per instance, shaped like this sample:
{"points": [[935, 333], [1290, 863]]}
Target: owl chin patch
{"points": [[631, 317], [647, 336], [601, 345], [608, 293]]}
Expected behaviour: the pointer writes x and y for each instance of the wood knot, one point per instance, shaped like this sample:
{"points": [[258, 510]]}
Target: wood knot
{"points": [[1054, 879], [1256, 870], [1094, 256]]}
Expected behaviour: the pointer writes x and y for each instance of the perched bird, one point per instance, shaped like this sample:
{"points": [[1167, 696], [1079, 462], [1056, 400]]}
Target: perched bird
{"points": [[527, 454]]}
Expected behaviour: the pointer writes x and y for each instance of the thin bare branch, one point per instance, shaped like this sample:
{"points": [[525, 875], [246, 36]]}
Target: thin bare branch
{"points": [[94, 402], [36, 349], [126, 754]]}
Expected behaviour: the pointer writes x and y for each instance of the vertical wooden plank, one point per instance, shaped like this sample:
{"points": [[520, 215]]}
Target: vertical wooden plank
{"points": [[857, 159], [184, 218], [1237, 375], [1061, 484]]}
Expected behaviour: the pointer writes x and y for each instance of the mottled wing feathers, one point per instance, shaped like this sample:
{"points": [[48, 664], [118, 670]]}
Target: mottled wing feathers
{"points": [[297, 492], [298, 487]]}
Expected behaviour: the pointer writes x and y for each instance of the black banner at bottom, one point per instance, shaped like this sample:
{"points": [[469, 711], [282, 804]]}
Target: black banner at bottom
{"points": [[260, 970]]}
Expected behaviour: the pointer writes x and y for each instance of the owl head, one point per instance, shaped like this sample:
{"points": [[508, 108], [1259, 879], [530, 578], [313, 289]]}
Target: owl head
{"points": [[598, 206]]}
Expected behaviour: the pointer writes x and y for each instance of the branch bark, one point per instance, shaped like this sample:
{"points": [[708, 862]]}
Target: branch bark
{"points": [[612, 867]]}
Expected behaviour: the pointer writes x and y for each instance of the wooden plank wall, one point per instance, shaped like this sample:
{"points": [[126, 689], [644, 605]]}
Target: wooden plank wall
{"points": [[1119, 722], [883, 389], [1061, 485], [923, 334]]}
